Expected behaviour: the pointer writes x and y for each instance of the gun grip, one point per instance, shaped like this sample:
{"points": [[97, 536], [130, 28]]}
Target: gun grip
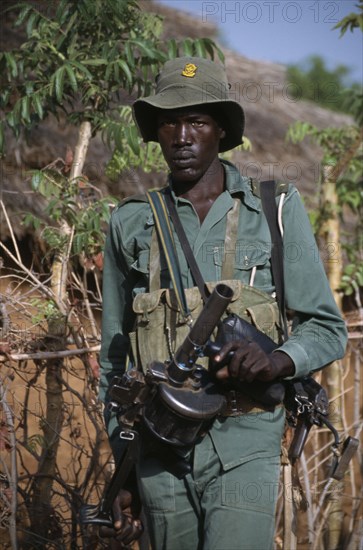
{"points": [[300, 436], [350, 447]]}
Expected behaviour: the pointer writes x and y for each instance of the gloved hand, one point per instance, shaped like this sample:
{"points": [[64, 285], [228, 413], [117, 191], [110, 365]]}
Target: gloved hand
{"points": [[249, 362], [127, 526]]}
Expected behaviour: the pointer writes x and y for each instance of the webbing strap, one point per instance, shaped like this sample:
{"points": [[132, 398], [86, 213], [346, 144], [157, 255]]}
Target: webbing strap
{"points": [[268, 201], [229, 249], [229, 244], [230, 241], [154, 269], [188, 253], [165, 234]]}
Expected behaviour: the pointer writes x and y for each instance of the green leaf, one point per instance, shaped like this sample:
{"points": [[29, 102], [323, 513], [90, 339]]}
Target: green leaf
{"points": [[59, 83], [145, 49], [116, 71], [25, 109], [349, 269], [129, 55], [31, 220], [37, 177], [51, 206], [108, 70], [94, 62], [200, 49], [10, 118], [72, 77], [132, 138], [37, 105], [70, 21], [187, 46], [208, 44], [22, 15], [126, 70], [31, 23], [172, 48], [11, 63], [81, 68]]}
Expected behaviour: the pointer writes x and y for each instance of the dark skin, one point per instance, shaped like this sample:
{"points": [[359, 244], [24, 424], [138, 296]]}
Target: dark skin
{"points": [[189, 139], [127, 526]]}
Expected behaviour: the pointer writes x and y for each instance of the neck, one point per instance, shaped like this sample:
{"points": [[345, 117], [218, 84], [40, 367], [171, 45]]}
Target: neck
{"points": [[207, 188], [203, 192]]}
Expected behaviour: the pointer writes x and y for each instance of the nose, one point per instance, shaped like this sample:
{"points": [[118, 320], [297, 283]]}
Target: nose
{"points": [[181, 134]]}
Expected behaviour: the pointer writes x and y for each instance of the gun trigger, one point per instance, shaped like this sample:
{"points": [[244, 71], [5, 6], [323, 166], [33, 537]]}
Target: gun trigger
{"points": [[350, 447], [302, 399]]}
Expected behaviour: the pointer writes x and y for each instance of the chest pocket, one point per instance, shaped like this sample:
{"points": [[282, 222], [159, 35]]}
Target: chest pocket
{"points": [[150, 269], [253, 266]]}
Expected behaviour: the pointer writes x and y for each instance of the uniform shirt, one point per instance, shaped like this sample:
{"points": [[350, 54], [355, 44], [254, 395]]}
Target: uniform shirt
{"points": [[318, 334]]}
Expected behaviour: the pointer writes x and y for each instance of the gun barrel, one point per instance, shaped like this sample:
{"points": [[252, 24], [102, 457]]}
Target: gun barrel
{"points": [[187, 354]]}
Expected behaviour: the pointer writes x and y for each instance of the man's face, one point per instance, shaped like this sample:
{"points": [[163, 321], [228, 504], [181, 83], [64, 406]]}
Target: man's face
{"points": [[189, 139]]}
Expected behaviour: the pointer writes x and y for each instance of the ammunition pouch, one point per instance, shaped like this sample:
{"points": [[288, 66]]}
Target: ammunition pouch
{"points": [[161, 328]]}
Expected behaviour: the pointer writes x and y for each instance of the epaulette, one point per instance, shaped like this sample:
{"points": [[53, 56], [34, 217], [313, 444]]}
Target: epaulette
{"points": [[281, 187], [134, 198], [142, 197]]}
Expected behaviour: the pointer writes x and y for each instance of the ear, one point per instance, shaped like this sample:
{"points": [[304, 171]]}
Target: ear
{"points": [[222, 133]]}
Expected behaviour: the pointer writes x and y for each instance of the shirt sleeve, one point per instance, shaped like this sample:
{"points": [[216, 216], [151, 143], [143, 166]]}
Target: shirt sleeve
{"points": [[116, 313], [319, 334]]}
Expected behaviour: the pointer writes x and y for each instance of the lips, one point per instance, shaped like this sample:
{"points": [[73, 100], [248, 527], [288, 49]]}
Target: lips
{"points": [[183, 159]]}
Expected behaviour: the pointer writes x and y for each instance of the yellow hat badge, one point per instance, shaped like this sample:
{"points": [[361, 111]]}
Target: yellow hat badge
{"points": [[189, 70]]}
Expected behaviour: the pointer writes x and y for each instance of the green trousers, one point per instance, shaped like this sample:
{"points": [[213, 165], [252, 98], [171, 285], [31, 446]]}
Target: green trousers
{"points": [[211, 509]]}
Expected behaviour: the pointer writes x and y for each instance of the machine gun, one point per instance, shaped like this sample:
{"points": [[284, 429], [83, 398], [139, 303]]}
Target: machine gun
{"points": [[176, 401]]}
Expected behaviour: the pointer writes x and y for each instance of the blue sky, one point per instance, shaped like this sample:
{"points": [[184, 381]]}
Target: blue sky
{"points": [[282, 31]]}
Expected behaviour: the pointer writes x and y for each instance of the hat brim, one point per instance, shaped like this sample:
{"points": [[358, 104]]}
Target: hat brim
{"points": [[146, 110]]}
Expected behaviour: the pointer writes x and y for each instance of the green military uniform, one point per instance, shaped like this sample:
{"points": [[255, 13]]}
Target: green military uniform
{"points": [[236, 466]]}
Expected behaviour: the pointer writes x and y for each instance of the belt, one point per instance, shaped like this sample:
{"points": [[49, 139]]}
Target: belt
{"points": [[238, 403]]}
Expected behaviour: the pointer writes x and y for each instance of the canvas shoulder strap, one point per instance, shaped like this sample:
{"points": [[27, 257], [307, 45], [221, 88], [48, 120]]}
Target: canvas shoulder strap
{"points": [[268, 190], [165, 235]]}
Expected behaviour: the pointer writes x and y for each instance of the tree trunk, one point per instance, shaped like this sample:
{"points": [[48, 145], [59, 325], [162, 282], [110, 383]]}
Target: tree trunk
{"points": [[43, 522], [332, 376]]}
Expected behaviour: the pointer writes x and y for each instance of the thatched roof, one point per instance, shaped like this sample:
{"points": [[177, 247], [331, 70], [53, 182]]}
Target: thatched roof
{"points": [[261, 87]]}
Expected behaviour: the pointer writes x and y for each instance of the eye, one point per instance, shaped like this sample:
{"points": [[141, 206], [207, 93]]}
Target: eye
{"points": [[198, 123], [166, 122]]}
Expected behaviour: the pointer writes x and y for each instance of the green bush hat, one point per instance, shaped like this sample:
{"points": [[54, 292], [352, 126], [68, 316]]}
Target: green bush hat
{"points": [[192, 82]]}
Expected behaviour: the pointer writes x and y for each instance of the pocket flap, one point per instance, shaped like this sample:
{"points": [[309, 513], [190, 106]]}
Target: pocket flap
{"points": [[249, 256], [142, 262], [192, 296], [147, 302], [265, 316]]}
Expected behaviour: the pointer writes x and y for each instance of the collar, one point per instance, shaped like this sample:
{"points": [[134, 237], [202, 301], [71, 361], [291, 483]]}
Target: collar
{"points": [[235, 184]]}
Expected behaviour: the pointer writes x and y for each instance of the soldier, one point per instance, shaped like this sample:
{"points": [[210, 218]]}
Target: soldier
{"points": [[227, 499]]}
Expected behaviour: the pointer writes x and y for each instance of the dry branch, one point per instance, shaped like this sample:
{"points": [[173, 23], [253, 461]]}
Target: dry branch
{"points": [[41, 355]]}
